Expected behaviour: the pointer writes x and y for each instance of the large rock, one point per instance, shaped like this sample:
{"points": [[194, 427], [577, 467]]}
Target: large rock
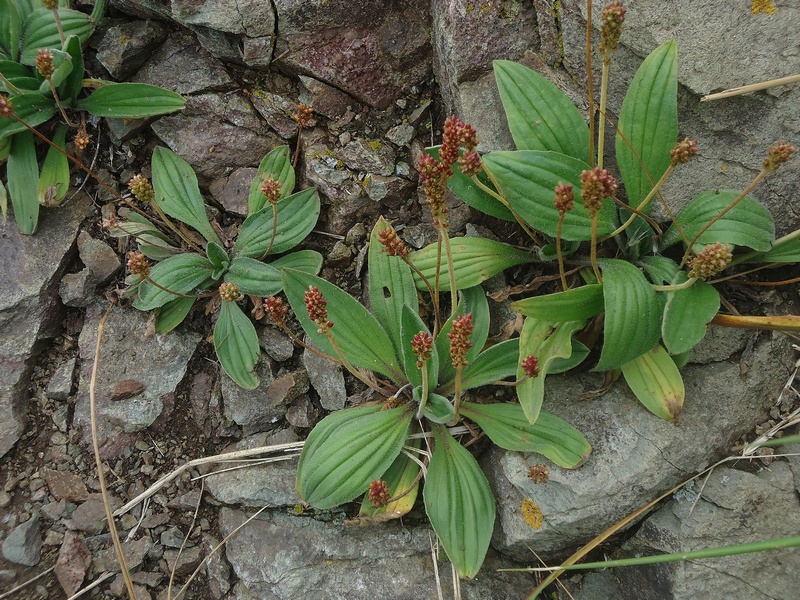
{"points": [[30, 272], [635, 455], [137, 373], [373, 51]]}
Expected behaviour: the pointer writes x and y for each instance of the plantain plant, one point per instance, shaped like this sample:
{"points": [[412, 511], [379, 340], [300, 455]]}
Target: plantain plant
{"points": [[277, 221], [650, 288], [41, 77]]}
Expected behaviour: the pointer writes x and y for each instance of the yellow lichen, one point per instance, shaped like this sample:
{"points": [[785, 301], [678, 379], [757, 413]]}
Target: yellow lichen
{"points": [[375, 145], [531, 514], [763, 6]]}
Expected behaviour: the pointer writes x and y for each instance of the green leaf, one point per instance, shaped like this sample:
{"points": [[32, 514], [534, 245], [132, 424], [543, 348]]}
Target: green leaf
{"points": [[10, 28], [686, 314], [254, 277], [438, 409], [181, 274], [648, 121], [19, 76], [276, 165], [459, 503], [307, 261], [391, 286], [72, 85], [493, 364], [550, 436], [177, 192], [358, 334], [539, 115], [474, 260], [34, 109], [784, 250], [528, 179], [349, 449], [62, 67], [54, 178], [748, 223], [410, 325], [576, 304], [22, 171], [472, 301], [633, 311], [130, 101], [659, 269], [466, 189], [562, 365], [401, 476], [172, 314], [297, 216], [40, 31], [655, 380], [216, 255], [547, 342], [236, 344], [3, 202]]}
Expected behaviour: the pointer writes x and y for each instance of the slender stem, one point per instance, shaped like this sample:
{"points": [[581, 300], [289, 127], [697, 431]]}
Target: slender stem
{"points": [[642, 205], [346, 363], [457, 392], [593, 255], [438, 263], [590, 80], [530, 233], [674, 288], [274, 230], [776, 244], [601, 133], [9, 86], [297, 340], [559, 253], [174, 228], [64, 116], [748, 272], [425, 384], [57, 18], [450, 270], [297, 147], [434, 298]]}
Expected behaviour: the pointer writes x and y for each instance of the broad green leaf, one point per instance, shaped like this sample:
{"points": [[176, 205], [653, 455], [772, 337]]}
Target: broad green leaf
{"points": [[648, 121], [493, 364], [152, 243], [308, 261], [547, 342], [54, 178], [19, 76], [130, 101], [40, 31], [34, 109], [528, 179], [539, 115], [401, 477], [177, 192], [172, 314], [410, 325], [180, 274], [358, 334], [254, 277], [236, 344], [633, 314], [549, 252], [459, 503], [216, 255], [466, 189], [550, 436], [562, 365], [657, 383], [659, 269], [22, 171], [576, 304], [72, 85], [474, 260], [746, 224], [784, 250], [98, 10], [348, 450], [472, 301], [276, 165], [686, 314], [391, 286], [10, 28], [438, 409], [297, 215]]}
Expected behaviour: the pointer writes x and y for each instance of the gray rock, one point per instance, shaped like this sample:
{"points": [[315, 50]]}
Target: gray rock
{"points": [[23, 545], [217, 568], [325, 99], [271, 484], [90, 516], [217, 132], [30, 273], [327, 380], [250, 17], [248, 408], [371, 51], [232, 191], [735, 507], [372, 156], [392, 192], [275, 343], [125, 47], [77, 289], [73, 562], [302, 413], [129, 353], [401, 135], [277, 111], [150, 9], [287, 388], [134, 551], [60, 384], [720, 405], [101, 261]]}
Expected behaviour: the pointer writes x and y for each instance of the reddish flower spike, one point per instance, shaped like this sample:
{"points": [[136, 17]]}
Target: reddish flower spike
{"points": [[276, 309], [459, 336], [530, 364], [378, 493], [317, 309]]}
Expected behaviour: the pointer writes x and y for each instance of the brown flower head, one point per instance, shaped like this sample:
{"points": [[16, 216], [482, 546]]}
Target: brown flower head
{"points": [[276, 309], [470, 163], [530, 365], [596, 185], [378, 493], [683, 151], [138, 264], [710, 261], [392, 244], [44, 63], [539, 473], [611, 20], [777, 155], [455, 135], [6, 107], [434, 185], [303, 115], [81, 140], [50, 4], [565, 198], [271, 190], [459, 336], [422, 347], [229, 292], [317, 309], [142, 189]]}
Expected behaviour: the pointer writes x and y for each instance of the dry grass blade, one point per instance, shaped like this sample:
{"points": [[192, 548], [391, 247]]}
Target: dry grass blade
{"points": [[753, 87], [100, 475], [91, 586], [186, 539], [24, 584]]}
